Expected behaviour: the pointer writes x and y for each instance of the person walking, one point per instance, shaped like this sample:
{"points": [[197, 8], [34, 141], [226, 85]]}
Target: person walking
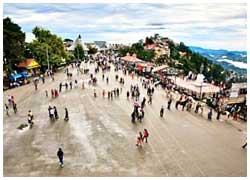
{"points": [[103, 93], [218, 113], [107, 80], [60, 87], [30, 114], [60, 157], [161, 111], [52, 93], [55, 112], [127, 94], [66, 118], [35, 83], [46, 93], [150, 99], [145, 135], [56, 93], [133, 117], [70, 84], [139, 116], [108, 94], [42, 77], [111, 95], [139, 141], [9, 100], [197, 107], [141, 136], [143, 102], [14, 107], [169, 103], [117, 91], [210, 113], [51, 113], [142, 113], [30, 118], [66, 86], [7, 109]]}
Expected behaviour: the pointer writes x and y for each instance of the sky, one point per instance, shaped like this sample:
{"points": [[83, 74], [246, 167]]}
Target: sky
{"points": [[214, 26]]}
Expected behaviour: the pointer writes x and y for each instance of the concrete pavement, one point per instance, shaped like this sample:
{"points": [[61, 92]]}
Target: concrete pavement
{"points": [[99, 139]]}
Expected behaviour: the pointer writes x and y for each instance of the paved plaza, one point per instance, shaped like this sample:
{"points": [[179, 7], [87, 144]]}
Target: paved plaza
{"points": [[99, 138]]}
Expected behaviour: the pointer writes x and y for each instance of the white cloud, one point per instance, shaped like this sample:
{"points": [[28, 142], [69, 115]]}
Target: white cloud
{"points": [[236, 64], [213, 25], [29, 37]]}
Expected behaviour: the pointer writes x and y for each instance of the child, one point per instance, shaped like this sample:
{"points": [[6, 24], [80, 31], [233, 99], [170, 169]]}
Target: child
{"points": [[139, 141]]}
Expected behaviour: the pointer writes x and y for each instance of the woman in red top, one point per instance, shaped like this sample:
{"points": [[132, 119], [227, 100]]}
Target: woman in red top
{"points": [[145, 135]]}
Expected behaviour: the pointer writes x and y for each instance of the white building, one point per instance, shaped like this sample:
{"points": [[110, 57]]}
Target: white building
{"points": [[101, 45], [75, 43]]}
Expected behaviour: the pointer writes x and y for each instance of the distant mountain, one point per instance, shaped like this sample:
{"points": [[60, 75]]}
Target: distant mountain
{"points": [[232, 60]]}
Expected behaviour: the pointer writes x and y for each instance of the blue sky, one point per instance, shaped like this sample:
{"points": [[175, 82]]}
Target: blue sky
{"points": [[215, 26]]}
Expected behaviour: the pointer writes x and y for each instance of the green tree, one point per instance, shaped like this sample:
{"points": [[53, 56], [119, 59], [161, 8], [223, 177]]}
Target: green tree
{"points": [[92, 50], [79, 52], [174, 53], [145, 55], [47, 43], [182, 47], [13, 44], [138, 49]]}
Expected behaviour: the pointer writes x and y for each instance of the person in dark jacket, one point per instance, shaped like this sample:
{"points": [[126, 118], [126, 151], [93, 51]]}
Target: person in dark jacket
{"points": [[209, 116], [127, 94], [133, 117], [14, 107], [55, 112], [66, 115], [60, 156], [161, 111], [60, 87]]}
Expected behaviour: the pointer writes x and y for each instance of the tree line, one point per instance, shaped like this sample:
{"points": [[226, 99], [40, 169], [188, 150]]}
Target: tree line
{"points": [[45, 46], [190, 61]]}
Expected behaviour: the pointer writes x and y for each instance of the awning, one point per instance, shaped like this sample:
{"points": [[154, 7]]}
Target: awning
{"points": [[131, 59], [156, 69], [194, 86], [29, 64], [141, 66]]}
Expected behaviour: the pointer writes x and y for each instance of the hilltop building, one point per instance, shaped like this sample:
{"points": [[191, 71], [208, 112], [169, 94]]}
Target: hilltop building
{"points": [[75, 43]]}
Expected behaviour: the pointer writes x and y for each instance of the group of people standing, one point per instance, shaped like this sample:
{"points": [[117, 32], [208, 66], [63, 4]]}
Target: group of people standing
{"points": [[113, 93], [11, 102], [142, 137], [53, 114]]}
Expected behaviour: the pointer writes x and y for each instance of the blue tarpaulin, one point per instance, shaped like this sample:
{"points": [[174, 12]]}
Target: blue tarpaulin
{"points": [[15, 76], [24, 74]]}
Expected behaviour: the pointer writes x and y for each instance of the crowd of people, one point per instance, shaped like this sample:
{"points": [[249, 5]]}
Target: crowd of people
{"points": [[134, 93]]}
